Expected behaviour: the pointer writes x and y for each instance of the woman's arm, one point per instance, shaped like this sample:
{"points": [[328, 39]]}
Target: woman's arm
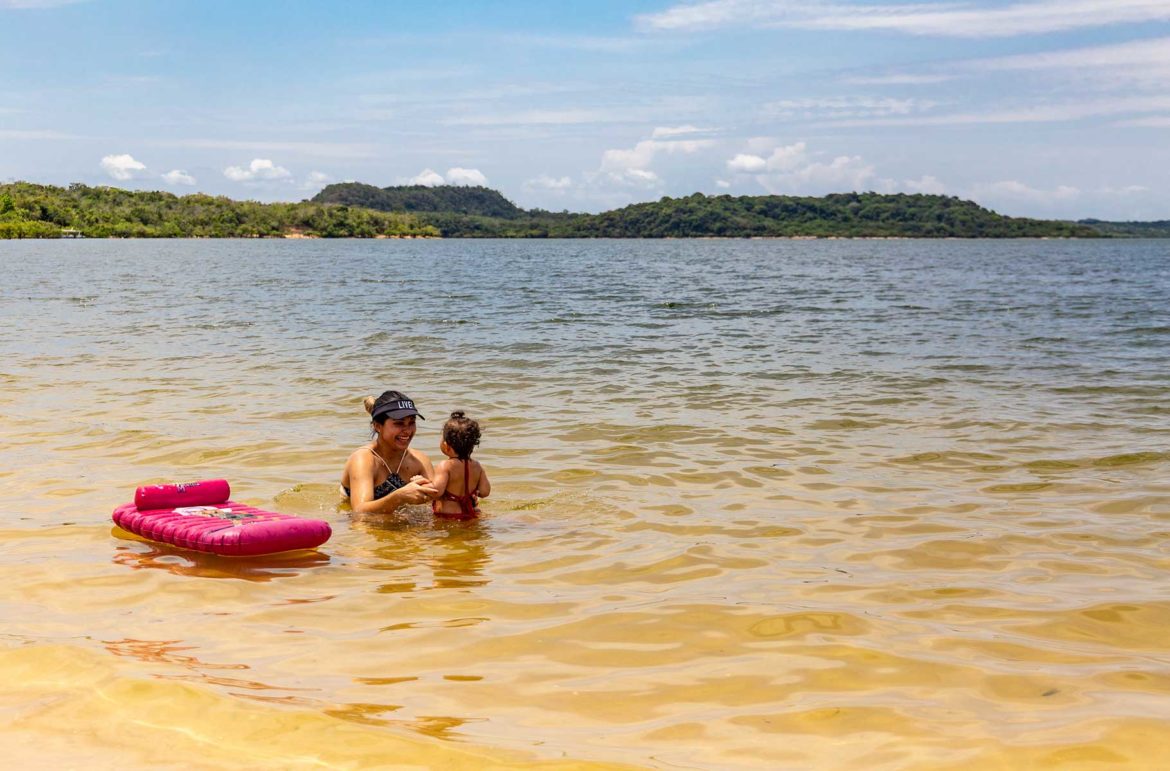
{"points": [[412, 493], [428, 473], [361, 488]]}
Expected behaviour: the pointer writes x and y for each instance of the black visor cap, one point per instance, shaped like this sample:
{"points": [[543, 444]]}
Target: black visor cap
{"points": [[396, 410]]}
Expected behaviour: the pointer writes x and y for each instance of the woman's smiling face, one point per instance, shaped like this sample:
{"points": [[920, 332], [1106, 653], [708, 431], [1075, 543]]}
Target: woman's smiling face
{"points": [[397, 432]]}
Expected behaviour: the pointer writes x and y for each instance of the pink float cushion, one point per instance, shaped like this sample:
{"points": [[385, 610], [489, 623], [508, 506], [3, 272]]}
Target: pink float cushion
{"points": [[209, 492], [199, 516]]}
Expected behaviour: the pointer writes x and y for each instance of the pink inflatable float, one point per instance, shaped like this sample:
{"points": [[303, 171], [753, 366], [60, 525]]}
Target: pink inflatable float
{"points": [[199, 516]]}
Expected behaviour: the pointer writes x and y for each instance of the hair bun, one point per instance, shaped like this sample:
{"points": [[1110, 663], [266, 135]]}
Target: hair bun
{"points": [[459, 414], [368, 403]]}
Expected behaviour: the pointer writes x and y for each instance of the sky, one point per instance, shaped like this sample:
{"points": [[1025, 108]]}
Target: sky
{"points": [[1041, 108]]}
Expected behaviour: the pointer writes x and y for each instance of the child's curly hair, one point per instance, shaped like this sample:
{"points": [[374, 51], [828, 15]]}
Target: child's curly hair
{"points": [[461, 433]]}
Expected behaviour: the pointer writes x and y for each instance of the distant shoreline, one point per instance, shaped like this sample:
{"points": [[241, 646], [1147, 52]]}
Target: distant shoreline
{"points": [[354, 210], [307, 237]]}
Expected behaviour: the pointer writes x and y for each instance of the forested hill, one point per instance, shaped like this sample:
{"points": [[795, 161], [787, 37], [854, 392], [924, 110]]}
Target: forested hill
{"points": [[477, 211], [45, 211], [453, 199], [841, 214]]}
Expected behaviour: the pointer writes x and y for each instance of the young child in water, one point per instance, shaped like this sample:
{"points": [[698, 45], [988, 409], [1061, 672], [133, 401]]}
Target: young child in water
{"points": [[461, 481]]}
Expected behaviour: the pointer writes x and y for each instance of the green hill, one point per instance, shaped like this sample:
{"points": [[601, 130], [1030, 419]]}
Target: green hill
{"points": [[462, 212], [843, 214], [44, 211], [479, 201]]}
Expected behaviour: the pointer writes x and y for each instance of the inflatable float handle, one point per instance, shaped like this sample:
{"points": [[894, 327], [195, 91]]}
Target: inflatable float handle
{"points": [[207, 492]]}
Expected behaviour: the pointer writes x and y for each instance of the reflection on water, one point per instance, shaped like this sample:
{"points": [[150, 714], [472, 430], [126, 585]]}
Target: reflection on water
{"points": [[147, 554], [882, 505], [454, 553]]}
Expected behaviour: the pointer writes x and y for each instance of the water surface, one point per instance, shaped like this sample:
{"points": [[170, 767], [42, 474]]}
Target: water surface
{"points": [[831, 504]]}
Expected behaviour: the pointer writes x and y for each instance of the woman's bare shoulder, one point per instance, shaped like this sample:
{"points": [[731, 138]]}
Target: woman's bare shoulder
{"points": [[361, 456]]}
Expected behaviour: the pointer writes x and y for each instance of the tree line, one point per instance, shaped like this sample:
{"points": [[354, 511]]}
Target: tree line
{"points": [[355, 210], [46, 211], [462, 212]]}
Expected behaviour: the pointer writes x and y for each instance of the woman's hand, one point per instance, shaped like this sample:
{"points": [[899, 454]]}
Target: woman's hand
{"points": [[418, 490], [429, 485]]}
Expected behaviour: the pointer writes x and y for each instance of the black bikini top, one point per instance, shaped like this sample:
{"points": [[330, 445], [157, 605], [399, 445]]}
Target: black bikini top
{"points": [[392, 483]]}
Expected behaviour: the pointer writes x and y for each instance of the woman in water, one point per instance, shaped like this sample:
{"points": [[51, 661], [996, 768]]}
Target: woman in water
{"points": [[374, 475]]}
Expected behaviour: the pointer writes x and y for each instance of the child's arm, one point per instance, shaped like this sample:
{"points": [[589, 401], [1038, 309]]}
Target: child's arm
{"points": [[484, 488], [441, 477]]}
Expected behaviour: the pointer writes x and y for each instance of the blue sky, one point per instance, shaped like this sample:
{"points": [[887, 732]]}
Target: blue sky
{"points": [[1049, 108]]}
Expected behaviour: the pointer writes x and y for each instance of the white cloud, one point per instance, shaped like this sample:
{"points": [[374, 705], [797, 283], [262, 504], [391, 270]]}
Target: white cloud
{"points": [[178, 177], [315, 181], [760, 145], [545, 182], [926, 184], [1032, 113], [1019, 198], [1142, 53], [1127, 190], [789, 169], [258, 169], [469, 177], [897, 80], [641, 175], [633, 166], [702, 16], [122, 167], [455, 176], [666, 132], [428, 178], [844, 173], [788, 158], [722, 184], [844, 107], [749, 164], [534, 118], [1016, 191], [944, 20], [1109, 67]]}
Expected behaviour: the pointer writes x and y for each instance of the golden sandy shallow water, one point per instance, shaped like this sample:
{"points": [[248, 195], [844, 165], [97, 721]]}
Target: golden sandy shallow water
{"points": [[721, 538]]}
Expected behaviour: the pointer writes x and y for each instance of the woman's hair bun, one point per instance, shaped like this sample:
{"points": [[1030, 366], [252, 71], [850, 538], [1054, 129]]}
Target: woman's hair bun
{"points": [[458, 414], [368, 403]]}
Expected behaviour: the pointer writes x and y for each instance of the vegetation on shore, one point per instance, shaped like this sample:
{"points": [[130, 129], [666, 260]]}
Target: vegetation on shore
{"points": [[449, 199], [365, 211], [45, 211], [463, 212], [1156, 229]]}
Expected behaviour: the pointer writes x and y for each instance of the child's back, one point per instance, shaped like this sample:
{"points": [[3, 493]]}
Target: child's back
{"points": [[460, 480]]}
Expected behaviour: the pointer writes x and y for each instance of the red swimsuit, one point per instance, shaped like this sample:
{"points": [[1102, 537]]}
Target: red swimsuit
{"points": [[467, 502]]}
